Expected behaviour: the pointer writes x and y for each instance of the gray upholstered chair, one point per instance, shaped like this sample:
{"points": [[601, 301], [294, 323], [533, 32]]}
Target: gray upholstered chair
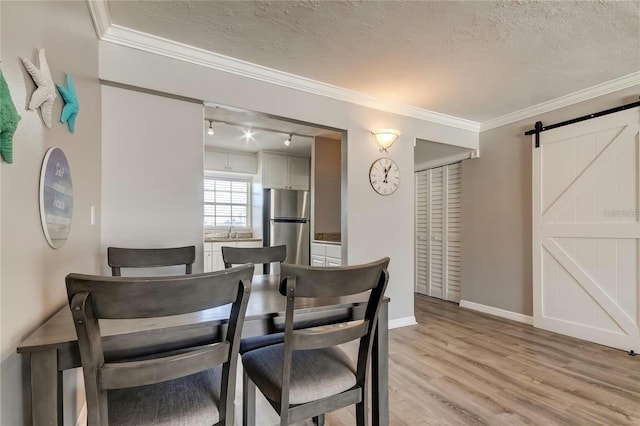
{"points": [[307, 375], [191, 386], [119, 257], [265, 255]]}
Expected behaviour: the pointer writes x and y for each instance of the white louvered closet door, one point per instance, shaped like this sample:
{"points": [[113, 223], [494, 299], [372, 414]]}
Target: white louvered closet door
{"points": [[438, 208]]}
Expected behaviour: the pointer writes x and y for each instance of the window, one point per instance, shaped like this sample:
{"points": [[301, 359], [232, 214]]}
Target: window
{"points": [[226, 202]]}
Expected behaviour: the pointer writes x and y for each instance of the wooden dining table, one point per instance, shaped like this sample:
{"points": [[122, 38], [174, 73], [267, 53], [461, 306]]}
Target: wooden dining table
{"points": [[53, 347]]}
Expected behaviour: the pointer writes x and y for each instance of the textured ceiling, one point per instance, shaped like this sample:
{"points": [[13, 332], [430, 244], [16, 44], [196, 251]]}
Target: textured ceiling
{"points": [[476, 60]]}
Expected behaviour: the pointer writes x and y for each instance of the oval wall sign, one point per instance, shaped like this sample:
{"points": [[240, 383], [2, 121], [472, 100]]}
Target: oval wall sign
{"points": [[56, 197]]}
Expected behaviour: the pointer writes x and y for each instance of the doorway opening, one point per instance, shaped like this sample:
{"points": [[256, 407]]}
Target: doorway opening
{"points": [[269, 156], [438, 212]]}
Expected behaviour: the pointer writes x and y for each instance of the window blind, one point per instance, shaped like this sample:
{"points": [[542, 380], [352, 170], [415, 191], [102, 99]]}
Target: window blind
{"points": [[226, 202]]}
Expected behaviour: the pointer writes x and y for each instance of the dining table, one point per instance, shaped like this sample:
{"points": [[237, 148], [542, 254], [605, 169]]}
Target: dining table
{"points": [[53, 347]]}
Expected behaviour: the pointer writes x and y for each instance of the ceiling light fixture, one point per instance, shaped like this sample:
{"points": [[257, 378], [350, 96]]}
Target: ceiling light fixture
{"points": [[248, 135], [210, 131], [287, 142], [385, 137]]}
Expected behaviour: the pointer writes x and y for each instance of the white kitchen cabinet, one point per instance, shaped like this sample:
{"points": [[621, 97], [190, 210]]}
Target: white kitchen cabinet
{"points": [[284, 172], [333, 262], [208, 260], [274, 171], [329, 255], [298, 173], [213, 254], [242, 163], [230, 162]]}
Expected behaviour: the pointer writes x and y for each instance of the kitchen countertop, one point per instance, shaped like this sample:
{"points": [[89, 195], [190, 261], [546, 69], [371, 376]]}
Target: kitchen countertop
{"points": [[328, 237], [334, 243], [228, 240]]}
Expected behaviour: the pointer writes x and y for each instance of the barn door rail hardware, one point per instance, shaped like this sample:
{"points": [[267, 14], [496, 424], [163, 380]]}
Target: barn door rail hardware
{"points": [[540, 128]]}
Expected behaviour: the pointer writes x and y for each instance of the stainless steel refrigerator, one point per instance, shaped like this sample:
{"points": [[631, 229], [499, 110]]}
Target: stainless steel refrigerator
{"points": [[286, 221]]}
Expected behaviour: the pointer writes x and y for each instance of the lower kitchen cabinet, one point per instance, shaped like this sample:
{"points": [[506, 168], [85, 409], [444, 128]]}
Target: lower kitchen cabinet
{"points": [[329, 255], [213, 254]]}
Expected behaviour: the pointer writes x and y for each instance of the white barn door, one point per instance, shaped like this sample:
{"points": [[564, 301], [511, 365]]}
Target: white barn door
{"points": [[586, 230], [438, 220]]}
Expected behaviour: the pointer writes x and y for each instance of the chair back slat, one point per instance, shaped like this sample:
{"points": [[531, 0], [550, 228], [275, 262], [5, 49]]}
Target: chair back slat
{"points": [[328, 335], [119, 257], [304, 281], [159, 296], [95, 297], [139, 373], [332, 282], [265, 255]]}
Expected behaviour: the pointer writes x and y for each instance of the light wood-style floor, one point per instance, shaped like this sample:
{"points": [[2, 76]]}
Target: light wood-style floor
{"points": [[460, 367]]}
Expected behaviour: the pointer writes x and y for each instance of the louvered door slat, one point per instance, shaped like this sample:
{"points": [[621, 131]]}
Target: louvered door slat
{"points": [[438, 228], [422, 230], [454, 221]]}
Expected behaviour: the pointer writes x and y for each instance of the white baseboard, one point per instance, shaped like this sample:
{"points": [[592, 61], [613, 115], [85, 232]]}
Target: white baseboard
{"points": [[402, 322], [514, 316], [82, 416]]}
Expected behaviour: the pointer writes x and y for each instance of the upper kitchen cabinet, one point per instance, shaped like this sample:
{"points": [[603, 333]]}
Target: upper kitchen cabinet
{"points": [[284, 172], [223, 161], [298, 173]]}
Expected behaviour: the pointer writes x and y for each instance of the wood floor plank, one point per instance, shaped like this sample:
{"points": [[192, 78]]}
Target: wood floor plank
{"points": [[461, 367]]}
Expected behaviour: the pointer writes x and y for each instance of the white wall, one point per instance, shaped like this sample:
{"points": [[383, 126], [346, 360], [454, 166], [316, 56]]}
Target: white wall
{"points": [[377, 226], [32, 273], [152, 172]]}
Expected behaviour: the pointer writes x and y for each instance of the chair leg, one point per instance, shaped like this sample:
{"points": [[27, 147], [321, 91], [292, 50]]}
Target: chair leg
{"points": [[319, 420], [362, 412], [248, 401]]}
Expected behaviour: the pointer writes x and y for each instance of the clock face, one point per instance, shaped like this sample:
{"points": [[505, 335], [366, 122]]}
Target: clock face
{"points": [[384, 176]]}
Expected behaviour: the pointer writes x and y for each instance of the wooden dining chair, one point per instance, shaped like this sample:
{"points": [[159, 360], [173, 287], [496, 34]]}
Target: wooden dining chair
{"points": [[193, 385], [119, 257], [265, 255], [307, 375]]}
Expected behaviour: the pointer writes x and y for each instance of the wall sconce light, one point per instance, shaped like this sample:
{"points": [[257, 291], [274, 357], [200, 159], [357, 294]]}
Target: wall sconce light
{"points": [[210, 131], [385, 137], [287, 141]]}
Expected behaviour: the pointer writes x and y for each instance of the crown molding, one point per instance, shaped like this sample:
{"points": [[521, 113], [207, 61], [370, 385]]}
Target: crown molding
{"points": [[563, 101], [109, 32], [100, 15], [171, 49]]}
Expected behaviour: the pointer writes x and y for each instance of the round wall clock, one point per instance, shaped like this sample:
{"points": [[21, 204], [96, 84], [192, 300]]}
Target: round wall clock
{"points": [[384, 176]]}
